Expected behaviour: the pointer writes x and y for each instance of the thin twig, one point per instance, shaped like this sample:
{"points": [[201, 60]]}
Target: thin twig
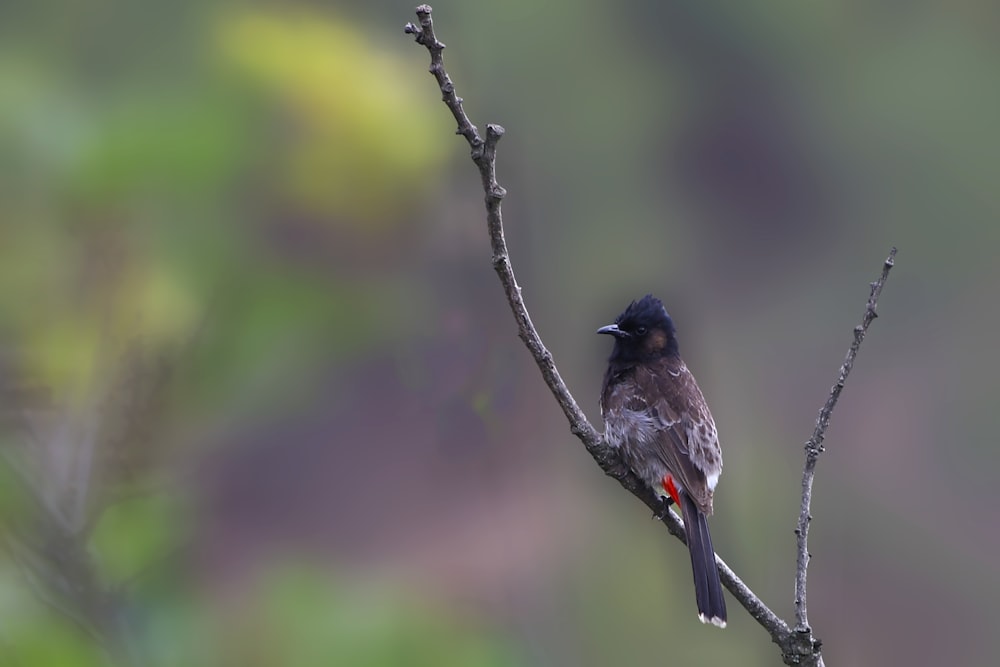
{"points": [[796, 647], [814, 446]]}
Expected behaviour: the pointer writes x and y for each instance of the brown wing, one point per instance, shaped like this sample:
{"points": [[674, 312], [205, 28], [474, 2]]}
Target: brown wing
{"points": [[687, 442]]}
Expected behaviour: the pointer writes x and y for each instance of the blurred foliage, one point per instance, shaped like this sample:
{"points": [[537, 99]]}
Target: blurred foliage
{"points": [[139, 209], [153, 527], [299, 617], [130, 215], [349, 154], [289, 615]]}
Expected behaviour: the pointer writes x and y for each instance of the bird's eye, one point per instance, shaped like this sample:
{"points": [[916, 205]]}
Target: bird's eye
{"points": [[641, 331]]}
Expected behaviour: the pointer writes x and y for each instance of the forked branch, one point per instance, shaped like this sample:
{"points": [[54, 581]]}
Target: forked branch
{"points": [[798, 647]]}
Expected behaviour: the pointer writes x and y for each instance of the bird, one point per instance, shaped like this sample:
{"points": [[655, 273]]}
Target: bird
{"points": [[656, 417]]}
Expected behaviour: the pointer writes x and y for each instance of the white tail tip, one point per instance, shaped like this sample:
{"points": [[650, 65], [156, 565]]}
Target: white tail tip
{"points": [[715, 620]]}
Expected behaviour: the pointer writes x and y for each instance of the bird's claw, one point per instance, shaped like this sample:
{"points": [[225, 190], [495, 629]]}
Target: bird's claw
{"points": [[662, 514]]}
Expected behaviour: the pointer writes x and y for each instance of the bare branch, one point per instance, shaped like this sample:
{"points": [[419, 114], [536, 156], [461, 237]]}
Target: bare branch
{"points": [[814, 446], [484, 155], [797, 647]]}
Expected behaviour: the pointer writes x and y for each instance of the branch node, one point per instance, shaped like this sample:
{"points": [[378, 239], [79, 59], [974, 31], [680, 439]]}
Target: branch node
{"points": [[494, 132]]}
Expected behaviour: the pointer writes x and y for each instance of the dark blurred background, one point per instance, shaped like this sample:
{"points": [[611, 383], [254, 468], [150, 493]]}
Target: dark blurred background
{"points": [[263, 403]]}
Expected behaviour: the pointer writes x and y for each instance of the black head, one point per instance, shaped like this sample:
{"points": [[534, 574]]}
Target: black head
{"points": [[643, 331]]}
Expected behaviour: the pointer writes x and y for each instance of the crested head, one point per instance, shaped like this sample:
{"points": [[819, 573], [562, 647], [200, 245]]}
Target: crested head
{"points": [[647, 312], [643, 331]]}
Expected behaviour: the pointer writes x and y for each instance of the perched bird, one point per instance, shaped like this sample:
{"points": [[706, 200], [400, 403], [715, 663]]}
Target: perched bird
{"points": [[656, 416]]}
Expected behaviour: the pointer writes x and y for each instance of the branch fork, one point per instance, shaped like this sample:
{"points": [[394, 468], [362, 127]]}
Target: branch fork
{"points": [[798, 646]]}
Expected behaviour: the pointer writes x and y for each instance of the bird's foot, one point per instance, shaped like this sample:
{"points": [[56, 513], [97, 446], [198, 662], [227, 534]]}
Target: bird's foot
{"points": [[662, 514]]}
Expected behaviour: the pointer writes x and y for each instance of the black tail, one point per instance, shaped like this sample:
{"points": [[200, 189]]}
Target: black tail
{"points": [[707, 587]]}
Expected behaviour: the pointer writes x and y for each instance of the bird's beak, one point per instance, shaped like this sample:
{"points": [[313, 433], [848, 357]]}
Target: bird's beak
{"points": [[613, 330]]}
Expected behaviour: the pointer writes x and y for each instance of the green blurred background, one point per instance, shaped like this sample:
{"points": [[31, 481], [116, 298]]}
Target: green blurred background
{"points": [[262, 402]]}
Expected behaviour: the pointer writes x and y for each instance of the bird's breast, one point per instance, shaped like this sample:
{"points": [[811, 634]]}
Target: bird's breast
{"points": [[624, 427]]}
